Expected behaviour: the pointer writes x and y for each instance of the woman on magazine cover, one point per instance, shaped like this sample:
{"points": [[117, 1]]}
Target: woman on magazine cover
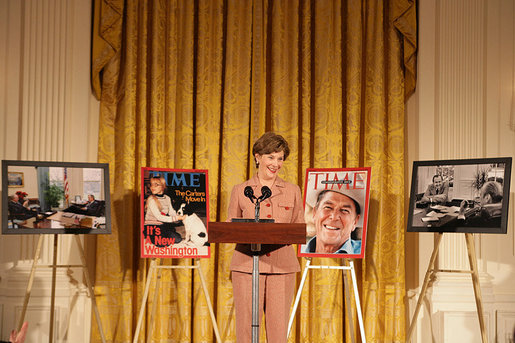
{"points": [[159, 210], [277, 263]]}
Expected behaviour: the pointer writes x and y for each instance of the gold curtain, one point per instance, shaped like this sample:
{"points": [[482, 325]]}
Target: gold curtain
{"points": [[192, 84]]}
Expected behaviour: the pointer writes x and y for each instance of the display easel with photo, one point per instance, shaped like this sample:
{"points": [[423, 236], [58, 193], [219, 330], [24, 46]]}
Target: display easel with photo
{"points": [[463, 196], [54, 267], [174, 214], [336, 214], [50, 185]]}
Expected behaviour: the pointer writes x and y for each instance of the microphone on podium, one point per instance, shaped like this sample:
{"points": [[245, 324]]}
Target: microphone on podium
{"points": [[249, 193], [265, 193]]}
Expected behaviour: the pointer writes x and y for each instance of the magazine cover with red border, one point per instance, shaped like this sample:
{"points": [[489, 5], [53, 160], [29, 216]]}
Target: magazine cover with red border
{"points": [[336, 212], [174, 213]]}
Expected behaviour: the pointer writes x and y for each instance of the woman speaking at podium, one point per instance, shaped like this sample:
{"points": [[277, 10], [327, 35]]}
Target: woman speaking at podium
{"points": [[277, 263]]}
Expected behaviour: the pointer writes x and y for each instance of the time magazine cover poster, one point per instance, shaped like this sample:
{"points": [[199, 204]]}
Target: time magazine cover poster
{"points": [[336, 212], [174, 213]]}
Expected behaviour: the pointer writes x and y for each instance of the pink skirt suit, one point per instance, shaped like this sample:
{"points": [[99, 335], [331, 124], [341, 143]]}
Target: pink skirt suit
{"points": [[277, 263]]}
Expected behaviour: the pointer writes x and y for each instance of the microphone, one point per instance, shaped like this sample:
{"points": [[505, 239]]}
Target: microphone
{"points": [[249, 193], [265, 193]]}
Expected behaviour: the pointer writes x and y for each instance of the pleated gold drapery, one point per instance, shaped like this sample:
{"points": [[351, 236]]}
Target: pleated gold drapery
{"points": [[192, 84]]}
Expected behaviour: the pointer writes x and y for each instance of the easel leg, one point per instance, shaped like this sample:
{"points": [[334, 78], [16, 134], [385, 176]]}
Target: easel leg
{"points": [[144, 300], [208, 300], [358, 304], [154, 304], [422, 295], [475, 282], [348, 302], [297, 297], [90, 287], [31, 281], [52, 300]]}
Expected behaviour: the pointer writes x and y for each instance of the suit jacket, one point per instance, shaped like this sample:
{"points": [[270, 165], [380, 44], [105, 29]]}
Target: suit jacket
{"points": [[437, 195], [285, 206], [18, 211], [93, 208]]}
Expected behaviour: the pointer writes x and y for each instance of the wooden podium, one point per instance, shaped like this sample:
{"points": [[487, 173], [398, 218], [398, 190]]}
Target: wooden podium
{"points": [[257, 233], [248, 231]]}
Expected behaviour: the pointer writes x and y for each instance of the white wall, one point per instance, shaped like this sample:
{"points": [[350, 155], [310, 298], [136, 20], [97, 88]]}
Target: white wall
{"points": [[47, 113], [463, 108]]}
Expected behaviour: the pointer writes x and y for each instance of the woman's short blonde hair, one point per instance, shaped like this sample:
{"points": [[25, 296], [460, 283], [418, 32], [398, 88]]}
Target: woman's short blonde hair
{"points": [[270, 143]]}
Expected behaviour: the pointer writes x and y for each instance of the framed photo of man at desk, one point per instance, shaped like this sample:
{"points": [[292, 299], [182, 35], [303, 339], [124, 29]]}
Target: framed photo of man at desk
{"points": [[336, 212], [48, 199], [466, 195]]}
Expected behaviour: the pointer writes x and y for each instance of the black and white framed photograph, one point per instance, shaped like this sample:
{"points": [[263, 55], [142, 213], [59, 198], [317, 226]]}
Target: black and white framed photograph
{"points": [[467, 195]]}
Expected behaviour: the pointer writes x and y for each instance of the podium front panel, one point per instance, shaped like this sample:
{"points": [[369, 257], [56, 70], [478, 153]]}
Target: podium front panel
{"points": [[259, 233]]}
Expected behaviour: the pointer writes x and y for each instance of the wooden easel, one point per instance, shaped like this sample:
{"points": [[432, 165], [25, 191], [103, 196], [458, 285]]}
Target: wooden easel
{"points": [[431, 270], [344, 269], [54, 267], [159, 268]]}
